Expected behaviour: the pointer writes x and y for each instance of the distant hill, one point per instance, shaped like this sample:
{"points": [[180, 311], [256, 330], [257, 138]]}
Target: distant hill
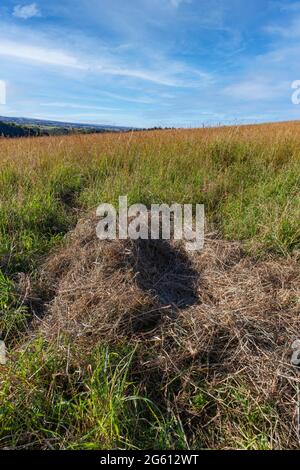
{"points": [[24, 127]]}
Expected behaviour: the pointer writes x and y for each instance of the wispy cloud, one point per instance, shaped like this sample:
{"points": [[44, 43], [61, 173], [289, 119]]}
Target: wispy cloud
{"points": [[170, 60], [26, 11], [142, 74], [60, 104], [130, 99], [177, 3], [166, 73], [255, 89], [290, 31], [28, 52]]}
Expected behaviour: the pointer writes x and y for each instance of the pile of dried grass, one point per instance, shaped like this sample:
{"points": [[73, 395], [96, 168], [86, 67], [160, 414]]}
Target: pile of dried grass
{"points": [[211, 320]]}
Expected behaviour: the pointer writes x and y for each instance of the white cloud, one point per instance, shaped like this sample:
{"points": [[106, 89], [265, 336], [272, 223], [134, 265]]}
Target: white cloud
{"points": [[60, 58], [59, 104], [165, 72], [38, 54], [129, 99], [256, 89], [147, 75], [26, 11]]}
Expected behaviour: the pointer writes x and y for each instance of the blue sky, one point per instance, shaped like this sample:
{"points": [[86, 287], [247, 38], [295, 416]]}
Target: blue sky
{"points": [[150, 62]]}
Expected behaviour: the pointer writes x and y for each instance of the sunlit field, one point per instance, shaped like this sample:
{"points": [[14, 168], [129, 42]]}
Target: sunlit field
{"points": [[205, 385]]}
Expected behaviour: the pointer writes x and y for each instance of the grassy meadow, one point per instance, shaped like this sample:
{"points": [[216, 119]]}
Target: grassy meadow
{"points": [[55, 395]]}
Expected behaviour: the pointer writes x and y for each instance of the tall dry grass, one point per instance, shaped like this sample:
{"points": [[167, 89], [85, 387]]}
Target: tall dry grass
{"points": [[248, 179]]}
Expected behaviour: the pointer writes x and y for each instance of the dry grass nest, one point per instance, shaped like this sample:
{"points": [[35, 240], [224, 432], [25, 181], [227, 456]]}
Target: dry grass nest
{"points": [[203, 319]]}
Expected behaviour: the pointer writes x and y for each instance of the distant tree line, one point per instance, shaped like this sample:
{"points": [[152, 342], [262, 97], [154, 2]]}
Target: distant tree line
{"points": [[17, 130], [12, 129]]}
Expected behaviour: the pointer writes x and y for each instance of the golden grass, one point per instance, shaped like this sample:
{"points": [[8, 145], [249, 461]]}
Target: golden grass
{"points": [[194, 350]]}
